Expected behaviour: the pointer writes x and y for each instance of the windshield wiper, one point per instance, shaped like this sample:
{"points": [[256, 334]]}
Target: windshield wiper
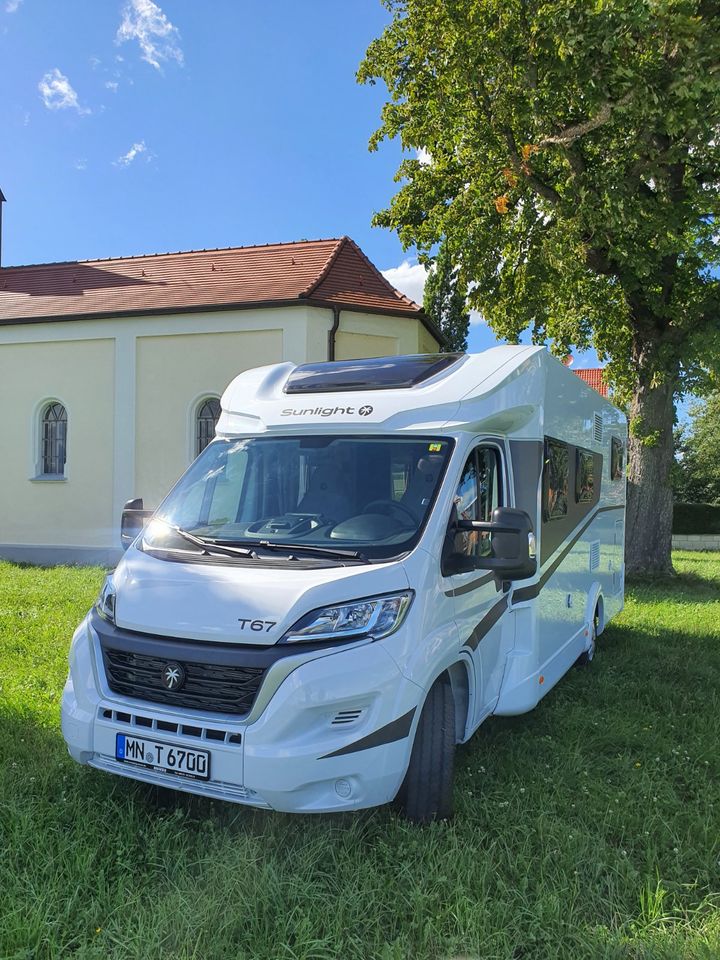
{"points": [[208, 546], [308, 548]]}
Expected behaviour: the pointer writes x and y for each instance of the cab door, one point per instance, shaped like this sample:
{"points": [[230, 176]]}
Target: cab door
{"points": [[479, 599]]}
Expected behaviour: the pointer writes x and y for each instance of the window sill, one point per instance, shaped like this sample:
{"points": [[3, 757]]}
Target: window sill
{"points": [[49, 478]]}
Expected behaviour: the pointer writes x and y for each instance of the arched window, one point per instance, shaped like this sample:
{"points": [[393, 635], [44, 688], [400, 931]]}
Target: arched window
{"points": [[208, 414], [53, 440]]}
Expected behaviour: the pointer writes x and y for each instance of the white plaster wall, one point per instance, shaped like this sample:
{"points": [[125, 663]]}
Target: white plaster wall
{"points": [[78, 509], [173, 373]]}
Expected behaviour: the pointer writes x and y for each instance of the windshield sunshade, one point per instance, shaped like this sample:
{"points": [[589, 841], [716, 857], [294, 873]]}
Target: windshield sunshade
{"points": [[344, 499], [376, 373]]}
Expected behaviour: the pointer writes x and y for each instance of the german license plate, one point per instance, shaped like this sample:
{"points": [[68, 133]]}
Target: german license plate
{"points": [[165, 757]]}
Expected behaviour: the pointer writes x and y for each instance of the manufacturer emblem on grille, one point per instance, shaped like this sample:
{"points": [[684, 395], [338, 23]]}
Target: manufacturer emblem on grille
{"points": [[173, 676]]}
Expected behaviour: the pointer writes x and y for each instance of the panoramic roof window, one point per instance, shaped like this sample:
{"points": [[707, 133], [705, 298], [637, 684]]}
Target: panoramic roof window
{"points": [[376, 373]]}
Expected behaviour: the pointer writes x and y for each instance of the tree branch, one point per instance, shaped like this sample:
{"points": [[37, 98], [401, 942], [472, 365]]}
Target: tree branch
{"points": [[570, 134], [537, 185]]}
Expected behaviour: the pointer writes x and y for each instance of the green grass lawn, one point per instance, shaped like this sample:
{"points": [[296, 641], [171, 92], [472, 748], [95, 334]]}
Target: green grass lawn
{"points": [[588, 828]]}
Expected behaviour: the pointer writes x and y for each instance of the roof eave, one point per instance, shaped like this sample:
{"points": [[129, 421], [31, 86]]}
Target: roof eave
{"points": [[240, 305]]}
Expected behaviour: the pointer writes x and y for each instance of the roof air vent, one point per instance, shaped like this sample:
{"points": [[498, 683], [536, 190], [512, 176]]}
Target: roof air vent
{"points": [[375, 373]]}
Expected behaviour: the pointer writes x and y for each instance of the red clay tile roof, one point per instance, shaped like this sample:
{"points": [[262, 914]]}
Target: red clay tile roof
{"points": [[594, 378], [321, 272]]}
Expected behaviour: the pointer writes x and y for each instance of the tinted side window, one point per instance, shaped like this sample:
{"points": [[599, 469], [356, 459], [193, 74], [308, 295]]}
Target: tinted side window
{"points": [[556, 480], [478, 493], [584, 476], [617, 458]]}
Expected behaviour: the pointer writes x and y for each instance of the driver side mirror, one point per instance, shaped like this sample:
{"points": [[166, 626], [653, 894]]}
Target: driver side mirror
{"points": [[132, 521], [511, 542]]}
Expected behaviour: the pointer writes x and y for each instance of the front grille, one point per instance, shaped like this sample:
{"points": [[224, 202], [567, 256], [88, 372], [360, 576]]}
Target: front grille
{"points": [[208, 686]]}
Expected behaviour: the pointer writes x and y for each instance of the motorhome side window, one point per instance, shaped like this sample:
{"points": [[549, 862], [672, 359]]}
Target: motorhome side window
{"points": [[584, 476], [556, 480], [617, 458], [477, 495]]}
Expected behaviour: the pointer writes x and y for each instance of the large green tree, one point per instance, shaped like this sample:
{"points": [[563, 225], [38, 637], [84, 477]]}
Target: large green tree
{"points": [[574, 176], [446, 302]]}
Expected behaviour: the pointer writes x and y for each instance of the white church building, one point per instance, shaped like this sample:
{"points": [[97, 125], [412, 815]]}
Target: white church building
{"points": [[111, 370]]}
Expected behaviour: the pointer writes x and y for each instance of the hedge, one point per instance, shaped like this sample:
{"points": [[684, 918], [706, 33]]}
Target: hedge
{"points": [[696, 518]]}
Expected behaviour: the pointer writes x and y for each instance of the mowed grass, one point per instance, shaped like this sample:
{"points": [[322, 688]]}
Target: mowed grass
{"points": [[588, 828]]}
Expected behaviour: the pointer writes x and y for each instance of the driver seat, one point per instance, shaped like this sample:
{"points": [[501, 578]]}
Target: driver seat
{"points": [[422, 485], [326, 493]]}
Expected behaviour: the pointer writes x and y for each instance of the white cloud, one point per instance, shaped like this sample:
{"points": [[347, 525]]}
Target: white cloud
{"points": [[12, 6], [135, 150], [112, 85], [409, 278], [144, 21], [424, 157], [57, 92], [81, 164]]}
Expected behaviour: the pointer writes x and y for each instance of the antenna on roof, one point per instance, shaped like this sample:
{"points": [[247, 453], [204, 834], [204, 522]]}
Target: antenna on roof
{"points": [[2, 201]]}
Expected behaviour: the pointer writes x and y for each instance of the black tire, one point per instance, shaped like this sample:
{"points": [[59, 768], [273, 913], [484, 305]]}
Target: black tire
{"points": [[427, 791], [587, 656]]}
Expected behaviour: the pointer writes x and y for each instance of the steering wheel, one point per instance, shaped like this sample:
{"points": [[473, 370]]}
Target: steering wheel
{"points": [[388, 506]]}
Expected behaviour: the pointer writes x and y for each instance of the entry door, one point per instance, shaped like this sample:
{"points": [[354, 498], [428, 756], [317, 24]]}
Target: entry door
{"points": [[478, 597]]}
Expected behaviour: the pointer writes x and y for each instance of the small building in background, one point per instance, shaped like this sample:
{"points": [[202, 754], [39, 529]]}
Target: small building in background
{"points": [[593, 376], [111, 370]]}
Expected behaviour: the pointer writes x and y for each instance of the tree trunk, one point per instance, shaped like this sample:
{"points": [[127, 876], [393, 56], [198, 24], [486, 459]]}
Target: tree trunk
{"points": [[648, 540]]}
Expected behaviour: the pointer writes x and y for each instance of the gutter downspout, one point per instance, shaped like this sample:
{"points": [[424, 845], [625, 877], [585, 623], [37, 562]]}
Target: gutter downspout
{"points": [[332, 331]]}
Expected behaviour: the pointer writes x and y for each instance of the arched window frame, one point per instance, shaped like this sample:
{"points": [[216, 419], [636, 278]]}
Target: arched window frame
{"points": [[51, 440], [195, 428]]}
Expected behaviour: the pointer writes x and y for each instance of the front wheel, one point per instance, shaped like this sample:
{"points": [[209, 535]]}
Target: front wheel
{"points": [[586, 657], [427, 791]]}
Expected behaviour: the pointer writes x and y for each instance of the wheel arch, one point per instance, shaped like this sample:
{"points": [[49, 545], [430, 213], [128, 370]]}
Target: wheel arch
{"points": [[595, 601]]}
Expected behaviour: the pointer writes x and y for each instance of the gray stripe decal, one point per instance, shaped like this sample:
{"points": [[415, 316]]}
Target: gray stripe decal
{"points": [[486, 624], [529, 593], [395, 730], [472, 585]]}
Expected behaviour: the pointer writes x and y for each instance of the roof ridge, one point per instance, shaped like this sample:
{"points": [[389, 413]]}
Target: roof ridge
{"points": [[384, 280], [326, 269], [167, 253], [427, 320]]}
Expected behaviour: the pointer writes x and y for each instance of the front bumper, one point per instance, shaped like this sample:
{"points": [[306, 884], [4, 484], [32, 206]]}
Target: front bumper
{"points": [[334, 735]]}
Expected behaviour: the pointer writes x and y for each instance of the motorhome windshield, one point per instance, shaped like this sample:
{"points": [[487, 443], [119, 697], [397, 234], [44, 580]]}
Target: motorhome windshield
{"points": [[367, 495]]}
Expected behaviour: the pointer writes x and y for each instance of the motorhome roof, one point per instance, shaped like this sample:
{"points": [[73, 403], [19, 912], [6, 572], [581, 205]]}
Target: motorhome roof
{"points": [[504, 389], [374, 373]]}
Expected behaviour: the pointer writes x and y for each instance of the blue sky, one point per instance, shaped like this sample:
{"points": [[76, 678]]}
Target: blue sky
{"points": [[138, 127]]}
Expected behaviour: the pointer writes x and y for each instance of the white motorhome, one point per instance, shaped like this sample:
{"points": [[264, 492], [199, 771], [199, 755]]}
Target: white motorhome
{"points": [[371, 558]]}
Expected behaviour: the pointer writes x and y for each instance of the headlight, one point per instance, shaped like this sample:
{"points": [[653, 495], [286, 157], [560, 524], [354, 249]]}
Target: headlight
{"points": [[105, 603], [375, 618]]}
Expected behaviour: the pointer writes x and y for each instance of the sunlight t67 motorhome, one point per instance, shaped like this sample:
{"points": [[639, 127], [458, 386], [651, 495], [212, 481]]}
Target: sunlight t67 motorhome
{"points": [[371, 558]]}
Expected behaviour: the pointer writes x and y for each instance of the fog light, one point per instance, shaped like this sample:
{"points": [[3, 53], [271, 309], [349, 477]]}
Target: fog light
{"points": [[343, 789]]}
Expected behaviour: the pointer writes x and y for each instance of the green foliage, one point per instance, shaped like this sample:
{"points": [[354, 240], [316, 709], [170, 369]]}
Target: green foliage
{"points": [[585, 830], [696, 518], [574, 168], [445, 302], [697, 471]]}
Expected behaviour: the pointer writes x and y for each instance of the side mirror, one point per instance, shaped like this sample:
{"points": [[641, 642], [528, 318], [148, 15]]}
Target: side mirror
{"points": [[511, 553], [133, 519]]}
